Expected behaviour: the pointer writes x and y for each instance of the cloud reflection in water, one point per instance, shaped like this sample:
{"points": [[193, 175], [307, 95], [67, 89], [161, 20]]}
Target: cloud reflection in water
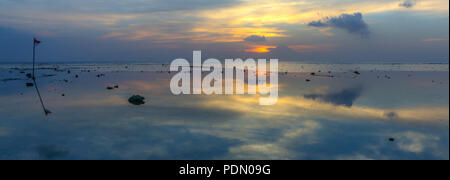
{"points": [[322, 119]]}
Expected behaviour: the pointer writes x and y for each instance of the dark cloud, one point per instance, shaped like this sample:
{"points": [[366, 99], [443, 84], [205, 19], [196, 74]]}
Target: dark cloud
{"points": [[345, 97], [255, 38], [282, 52], [51, 152], [318, 24], [353, 23], [408, 4]]}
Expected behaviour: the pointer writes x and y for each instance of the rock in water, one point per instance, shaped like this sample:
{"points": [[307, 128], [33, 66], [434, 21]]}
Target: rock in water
{"points": [[136, 100], [29, 76], [29, 84]]}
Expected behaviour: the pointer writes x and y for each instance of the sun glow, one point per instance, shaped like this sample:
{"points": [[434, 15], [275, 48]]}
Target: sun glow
{"points": [[260, 49]]}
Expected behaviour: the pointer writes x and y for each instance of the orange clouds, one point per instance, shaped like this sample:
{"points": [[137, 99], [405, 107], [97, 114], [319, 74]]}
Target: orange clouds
{"points": [[232, 24], [302, 48], [260, 49]]}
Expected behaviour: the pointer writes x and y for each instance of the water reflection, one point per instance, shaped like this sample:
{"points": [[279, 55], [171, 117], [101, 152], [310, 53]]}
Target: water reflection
{"points": [[345, 116]]}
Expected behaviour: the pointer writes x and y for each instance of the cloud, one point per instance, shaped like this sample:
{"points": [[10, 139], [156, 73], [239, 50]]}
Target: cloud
{"points": [[346, 97], [255, 38], [353, 23], [318, 24], [407, 145], [408, 3], [136, 29], [283, 52], [416, 142], [355, 157], [301, 107], [306, 48], [285, 147], [118, 6]]}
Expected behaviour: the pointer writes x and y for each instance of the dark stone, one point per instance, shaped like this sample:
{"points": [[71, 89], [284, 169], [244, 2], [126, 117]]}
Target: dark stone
{"points": [[29, 84], [48, 75], [136, 100], [29, 76]]}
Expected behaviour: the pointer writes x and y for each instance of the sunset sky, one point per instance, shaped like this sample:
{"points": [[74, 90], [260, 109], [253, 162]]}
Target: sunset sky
{"points": [[325, 31]]}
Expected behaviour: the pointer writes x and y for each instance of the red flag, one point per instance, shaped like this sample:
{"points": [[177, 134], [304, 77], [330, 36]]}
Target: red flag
{"points": [[36, 41]]}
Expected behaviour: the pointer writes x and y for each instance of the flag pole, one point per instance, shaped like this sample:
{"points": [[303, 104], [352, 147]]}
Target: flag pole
{"points": [[47, 112], [34, 55]]}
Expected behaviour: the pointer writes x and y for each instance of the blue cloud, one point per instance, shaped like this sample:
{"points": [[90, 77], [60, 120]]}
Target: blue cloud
{"points": [[318, 24], [346, 97], [353, 23], [408, 4], [255, 38]]}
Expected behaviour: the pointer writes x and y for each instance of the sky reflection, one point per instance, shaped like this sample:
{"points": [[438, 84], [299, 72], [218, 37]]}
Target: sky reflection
{"points": [[345, 117]]}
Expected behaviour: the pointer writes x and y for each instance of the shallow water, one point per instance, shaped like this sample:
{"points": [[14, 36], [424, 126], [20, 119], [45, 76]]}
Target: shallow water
{"points": [[348, 116]]}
